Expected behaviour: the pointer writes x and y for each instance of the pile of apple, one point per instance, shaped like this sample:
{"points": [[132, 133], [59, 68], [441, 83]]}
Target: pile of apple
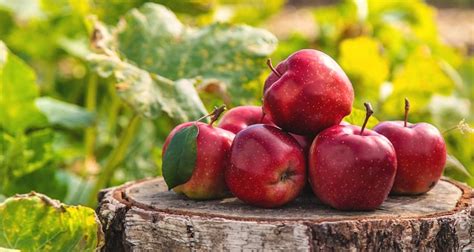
{"points": [[266, 155]]}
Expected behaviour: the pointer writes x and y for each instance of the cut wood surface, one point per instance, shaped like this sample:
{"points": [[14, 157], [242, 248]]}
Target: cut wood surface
{"points": [[145, 216]]}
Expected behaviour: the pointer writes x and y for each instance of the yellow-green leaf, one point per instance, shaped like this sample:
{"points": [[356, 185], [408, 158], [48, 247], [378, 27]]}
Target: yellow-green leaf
{"points": [[34, 222], [357, 117], [18, 90]]}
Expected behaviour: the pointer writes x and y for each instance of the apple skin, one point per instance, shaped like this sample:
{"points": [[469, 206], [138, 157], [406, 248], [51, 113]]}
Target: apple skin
{"points": [[213, 148], [421, 155], [304, 141], [267, 167], [312, 94], [349, 171], [239, 118]]}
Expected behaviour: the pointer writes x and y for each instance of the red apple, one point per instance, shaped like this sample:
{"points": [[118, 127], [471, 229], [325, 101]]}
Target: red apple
{"points": [[352, 168], [421, 154], [304, 141], [212, 148], [307, 93], [241, 117], [267, 167]]}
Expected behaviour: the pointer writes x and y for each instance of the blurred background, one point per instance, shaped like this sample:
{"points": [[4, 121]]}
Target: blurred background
{"points": [[90, 89]]}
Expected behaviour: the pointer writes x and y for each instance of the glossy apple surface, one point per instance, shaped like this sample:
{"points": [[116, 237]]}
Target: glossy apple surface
{"points": [[421, 155], [213, 148], [239, 118], [267, 167], [349, 171], [311, 94], [304, 141]]}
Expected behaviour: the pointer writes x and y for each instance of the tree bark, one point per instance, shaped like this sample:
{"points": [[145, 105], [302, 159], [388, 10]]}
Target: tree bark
{"points": [[145, 216]]}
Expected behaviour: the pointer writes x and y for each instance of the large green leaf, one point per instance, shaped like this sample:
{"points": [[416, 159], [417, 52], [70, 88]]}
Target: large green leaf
{"points": [[156, 41], [18, 90], [149, 93], [35, 222], [64, 114], [180, 157]]}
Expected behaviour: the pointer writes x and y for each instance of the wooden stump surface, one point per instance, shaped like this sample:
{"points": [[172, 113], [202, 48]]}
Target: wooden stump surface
{"points": [[145, 216]]}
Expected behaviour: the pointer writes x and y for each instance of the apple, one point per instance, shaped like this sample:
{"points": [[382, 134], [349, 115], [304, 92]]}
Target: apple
{"points": [[239, 118], [304, 141], [267, 167], [204, 178], [307, 93], [421, 154], [352, 168]]}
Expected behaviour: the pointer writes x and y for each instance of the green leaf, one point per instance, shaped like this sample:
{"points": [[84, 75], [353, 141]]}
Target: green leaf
{"points": [[357, 117], [64, 114], [35, 222], [25, 160], [23, 154], [18, 90], [227, 54], [180, 157], [454, 166], [366, 66], [150, 94]]}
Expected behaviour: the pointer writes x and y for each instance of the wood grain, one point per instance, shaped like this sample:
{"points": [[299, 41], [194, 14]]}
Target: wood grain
{"points": [[144, 216]]}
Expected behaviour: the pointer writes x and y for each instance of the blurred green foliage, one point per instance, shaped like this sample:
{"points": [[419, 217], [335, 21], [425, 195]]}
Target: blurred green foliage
{"points": [[96, 86]]}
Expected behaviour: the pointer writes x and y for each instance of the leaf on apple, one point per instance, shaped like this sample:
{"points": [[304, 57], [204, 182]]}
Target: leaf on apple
{"points": [[357, 117], [180, 157], [34, 222]]}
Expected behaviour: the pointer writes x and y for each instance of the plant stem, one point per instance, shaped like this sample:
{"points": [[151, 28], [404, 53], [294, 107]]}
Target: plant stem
{"points": [[116, 157], [113, 111], [216, 113], [269, 64], [91, 132], [407, 107]]}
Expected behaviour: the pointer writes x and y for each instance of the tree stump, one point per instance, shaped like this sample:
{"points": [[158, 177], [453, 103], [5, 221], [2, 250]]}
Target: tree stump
{"points": [[145, 216]]}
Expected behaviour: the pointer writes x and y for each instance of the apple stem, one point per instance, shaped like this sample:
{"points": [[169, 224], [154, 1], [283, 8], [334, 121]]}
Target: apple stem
{"points": [[368, 112], [216, 113], [407, 107], [269, 64]]}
